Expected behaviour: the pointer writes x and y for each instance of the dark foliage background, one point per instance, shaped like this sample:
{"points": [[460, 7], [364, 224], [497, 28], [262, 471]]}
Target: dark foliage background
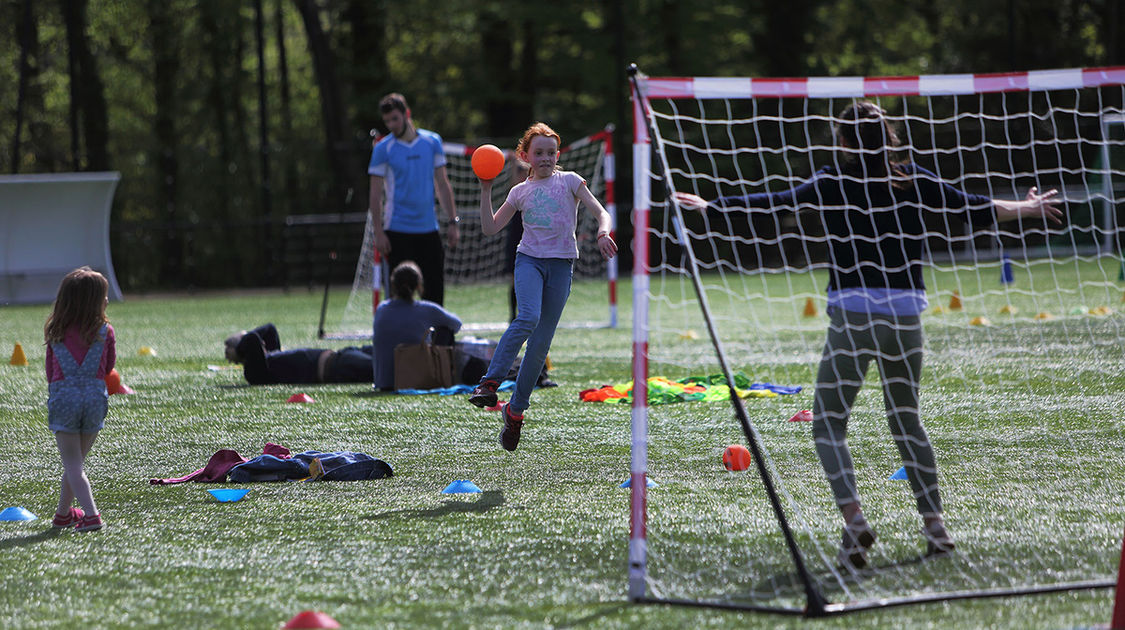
{"points": [[226, 116]]}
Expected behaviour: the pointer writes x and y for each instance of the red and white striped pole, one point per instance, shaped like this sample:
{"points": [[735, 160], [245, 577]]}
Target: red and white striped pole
{"points": [[376, 279], [638, 544], [610, 170], [376, 257], [1118, 622]]}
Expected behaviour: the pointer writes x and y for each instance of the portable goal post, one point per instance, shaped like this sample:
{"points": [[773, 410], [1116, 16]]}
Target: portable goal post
{"points": [[1022, 388]]}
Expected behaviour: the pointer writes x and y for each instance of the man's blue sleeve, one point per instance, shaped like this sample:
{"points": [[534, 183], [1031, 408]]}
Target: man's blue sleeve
{"points": [[378, 163]]}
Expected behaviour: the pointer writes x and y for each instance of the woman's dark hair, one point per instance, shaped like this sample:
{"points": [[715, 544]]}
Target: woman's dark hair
{"points": [[868, 140], [406, 280]]}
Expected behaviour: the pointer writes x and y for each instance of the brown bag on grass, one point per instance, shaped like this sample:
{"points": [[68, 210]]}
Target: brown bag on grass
{"points": [[423, 366]]}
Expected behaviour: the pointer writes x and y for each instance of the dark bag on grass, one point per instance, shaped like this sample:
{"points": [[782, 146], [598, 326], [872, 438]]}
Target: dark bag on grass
{"points": [[423, 366]]}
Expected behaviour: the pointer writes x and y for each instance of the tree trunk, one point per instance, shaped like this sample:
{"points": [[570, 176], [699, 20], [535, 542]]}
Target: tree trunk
{"points": [[331, 103], [26, 29], [1113, 34], [285, 152], [509, 106], [369, 74], [272, 264], [166, 62], [87, 92], [785, 38], [29, 99]]}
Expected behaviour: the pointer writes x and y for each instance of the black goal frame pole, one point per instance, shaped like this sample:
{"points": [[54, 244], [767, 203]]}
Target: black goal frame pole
{"points": [[331, 269], [816, 604], [332, 256]]}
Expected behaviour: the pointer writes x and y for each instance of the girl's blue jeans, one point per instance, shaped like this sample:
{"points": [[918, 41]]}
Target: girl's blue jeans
{"points": [[542, 288]]}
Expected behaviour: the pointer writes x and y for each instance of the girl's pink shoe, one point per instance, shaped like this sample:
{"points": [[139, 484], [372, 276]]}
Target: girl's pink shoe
{"points": [[89, 523], [69, 519]]}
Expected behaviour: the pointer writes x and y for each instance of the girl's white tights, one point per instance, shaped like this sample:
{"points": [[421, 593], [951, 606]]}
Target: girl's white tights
{"points": [[73, 448]]}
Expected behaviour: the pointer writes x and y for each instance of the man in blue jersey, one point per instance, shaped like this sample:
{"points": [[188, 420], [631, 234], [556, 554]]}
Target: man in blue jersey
{"points": [[407, 168]]}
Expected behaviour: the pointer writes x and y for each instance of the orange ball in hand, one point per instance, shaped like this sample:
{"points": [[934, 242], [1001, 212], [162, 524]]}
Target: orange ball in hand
{"points": [[736, 457], [488, 161]]}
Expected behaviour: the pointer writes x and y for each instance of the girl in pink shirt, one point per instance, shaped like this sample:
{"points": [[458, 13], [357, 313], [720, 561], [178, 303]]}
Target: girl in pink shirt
{"points": [[80, 352], [548, 202]]}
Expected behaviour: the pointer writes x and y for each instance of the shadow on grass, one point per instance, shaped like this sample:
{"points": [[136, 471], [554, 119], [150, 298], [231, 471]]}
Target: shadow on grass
{"points": [[487, 501], [831, 582], [372, 393], [594, 617], [31, 539]]}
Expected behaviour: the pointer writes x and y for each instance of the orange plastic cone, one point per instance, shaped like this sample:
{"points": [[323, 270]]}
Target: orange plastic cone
{"points": [[18, 357], [810, 308], [955, 302], [803, 415], [311, 619], [113, 382]]}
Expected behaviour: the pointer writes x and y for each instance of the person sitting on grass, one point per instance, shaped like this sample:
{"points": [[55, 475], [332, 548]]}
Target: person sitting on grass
{"points": [[406, 320]]}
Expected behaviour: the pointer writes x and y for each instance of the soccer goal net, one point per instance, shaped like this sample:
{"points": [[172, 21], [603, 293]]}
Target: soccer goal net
{"points": [[485, 261], [1022, 388]]}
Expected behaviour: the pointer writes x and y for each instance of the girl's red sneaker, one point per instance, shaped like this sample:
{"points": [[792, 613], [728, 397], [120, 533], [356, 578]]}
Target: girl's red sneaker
{"points": [[69, 519], [89, 523]]}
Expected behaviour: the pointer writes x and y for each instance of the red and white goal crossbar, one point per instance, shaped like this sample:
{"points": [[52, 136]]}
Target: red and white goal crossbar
{"points": [[609, 172], [646, 88], [861, 87]]}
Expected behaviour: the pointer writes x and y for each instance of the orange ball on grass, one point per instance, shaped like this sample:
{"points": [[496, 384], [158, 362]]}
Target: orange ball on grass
{"points": [[736, 457]]}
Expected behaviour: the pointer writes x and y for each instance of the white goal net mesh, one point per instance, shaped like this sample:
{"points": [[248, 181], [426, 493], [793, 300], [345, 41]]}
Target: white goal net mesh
{"points": [[1024, 352], [486, 260]]}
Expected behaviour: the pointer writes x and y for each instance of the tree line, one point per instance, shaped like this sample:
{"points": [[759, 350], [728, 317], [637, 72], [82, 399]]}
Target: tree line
{"points": [[225, 116]]}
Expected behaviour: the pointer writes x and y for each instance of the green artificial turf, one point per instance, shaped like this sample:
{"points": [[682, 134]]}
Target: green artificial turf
{"points": [[545, 543]]}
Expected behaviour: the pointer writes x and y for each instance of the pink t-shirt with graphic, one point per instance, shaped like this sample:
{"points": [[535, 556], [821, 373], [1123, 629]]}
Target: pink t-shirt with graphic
{"points": [[78, 349], [550, 214]]}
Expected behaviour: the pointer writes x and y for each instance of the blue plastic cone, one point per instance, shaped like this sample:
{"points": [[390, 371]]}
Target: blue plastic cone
{"points": [[1006, 276], [899, 474], [461, 486], [649, 483], [16, 514], [228, 494]]}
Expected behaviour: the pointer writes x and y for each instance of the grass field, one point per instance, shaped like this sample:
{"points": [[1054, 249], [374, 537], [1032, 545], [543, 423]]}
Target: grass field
{"points": [[545, 544]]}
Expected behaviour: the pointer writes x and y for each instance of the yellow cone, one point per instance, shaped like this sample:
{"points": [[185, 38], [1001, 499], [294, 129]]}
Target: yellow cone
{"points": [[18, 357], [146, 351], [1009, 310], [980, 321], [955, 302], [810, 308], [1044, 315]]}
